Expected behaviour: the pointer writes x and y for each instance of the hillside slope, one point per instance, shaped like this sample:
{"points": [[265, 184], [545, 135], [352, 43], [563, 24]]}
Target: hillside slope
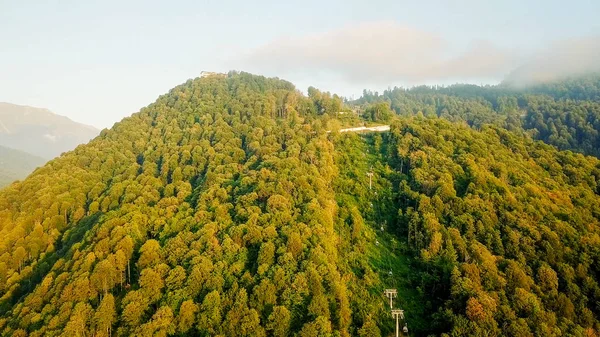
{"points": [[226, 209], [40, 132], [506, 231], [15, 165]]}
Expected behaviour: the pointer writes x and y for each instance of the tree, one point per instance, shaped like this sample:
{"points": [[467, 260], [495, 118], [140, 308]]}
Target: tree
{"points": [[150, 254], [279, 321], [105, 316], [187, 316], [369, 328], [151, 284], [78, 324], [159, 325], [209, 316], [379, 112]]}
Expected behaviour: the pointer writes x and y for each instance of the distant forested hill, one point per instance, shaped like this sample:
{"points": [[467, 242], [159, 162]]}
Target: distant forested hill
{"points": [[40, 132], [15, 165], [227, 208], [565, 114]]}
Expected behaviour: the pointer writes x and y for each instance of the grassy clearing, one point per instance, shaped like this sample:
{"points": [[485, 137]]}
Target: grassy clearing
{"points": [[385, 251]]}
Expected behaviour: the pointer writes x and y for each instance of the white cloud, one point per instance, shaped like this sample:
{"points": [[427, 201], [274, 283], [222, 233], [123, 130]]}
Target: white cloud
{"points": [[387, 53], [381, 52], [560, 59]]}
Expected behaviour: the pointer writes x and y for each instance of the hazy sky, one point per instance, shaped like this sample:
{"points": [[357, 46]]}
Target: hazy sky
{"points": [[99, 61]]}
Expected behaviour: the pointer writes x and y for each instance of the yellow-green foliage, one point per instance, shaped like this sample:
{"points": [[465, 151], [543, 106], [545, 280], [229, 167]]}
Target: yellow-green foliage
{"points": [[226, 209]]}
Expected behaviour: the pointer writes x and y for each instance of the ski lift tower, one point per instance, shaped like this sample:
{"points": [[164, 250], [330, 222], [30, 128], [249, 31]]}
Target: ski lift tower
{"points": [[391, 294], [370, 174], [398, 315]]}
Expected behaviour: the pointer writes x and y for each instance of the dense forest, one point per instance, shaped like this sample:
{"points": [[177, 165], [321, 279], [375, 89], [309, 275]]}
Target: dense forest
{"points": [[231, 206], [565, 114]]}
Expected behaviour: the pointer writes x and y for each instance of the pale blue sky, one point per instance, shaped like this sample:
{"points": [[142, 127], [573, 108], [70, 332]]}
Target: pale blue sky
{"points": [[97, 62]]}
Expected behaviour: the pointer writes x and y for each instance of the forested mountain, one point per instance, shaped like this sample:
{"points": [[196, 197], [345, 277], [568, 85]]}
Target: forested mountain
{"points": [[583, 87], [16, 165], [40, 132], [565, 114], [226, 208]]}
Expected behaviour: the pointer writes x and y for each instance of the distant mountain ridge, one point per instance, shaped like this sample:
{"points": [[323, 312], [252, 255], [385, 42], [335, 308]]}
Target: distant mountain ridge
{"points": [[40, 132], [15, 165]]}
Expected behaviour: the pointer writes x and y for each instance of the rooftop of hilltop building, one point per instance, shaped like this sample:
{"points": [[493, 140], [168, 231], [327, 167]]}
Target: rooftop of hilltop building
{"points": [[211, 73]]}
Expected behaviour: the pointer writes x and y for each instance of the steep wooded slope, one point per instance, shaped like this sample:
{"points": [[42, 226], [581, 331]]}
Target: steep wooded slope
{"points": [[507, 231], [225, 208], [210, 211]]}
